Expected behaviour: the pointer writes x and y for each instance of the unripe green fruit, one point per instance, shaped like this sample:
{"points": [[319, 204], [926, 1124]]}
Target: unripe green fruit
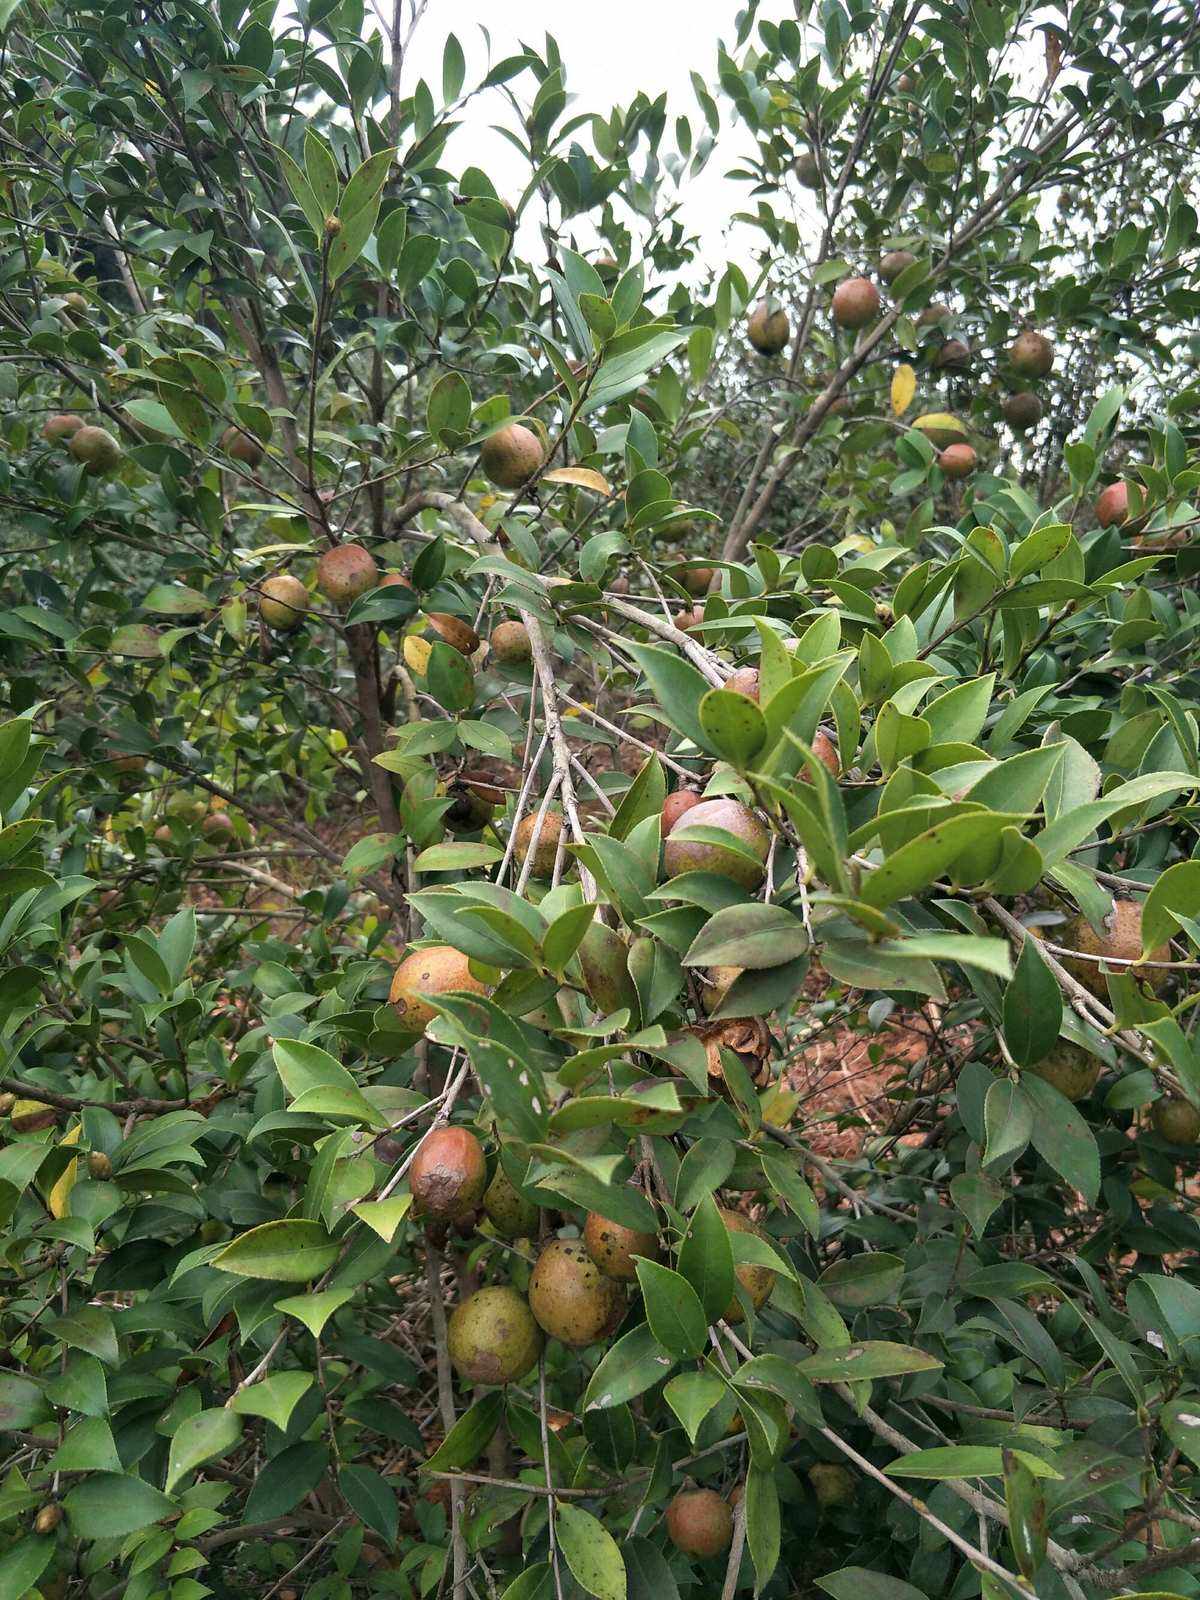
{"points": [[1176, 1120], [570, 1298], [448, 1174], [283, 602], [345, 572], [99, 1165], [492, 1337], [1070, 1070], [832, 1484], [934, 314], [186, 806], [614, 1248], [699, 1523], [693, 855], [808, 170], [894, 263], [508, 1211], [96, 449], [758, 1282], [767, 330], [510, 456]]}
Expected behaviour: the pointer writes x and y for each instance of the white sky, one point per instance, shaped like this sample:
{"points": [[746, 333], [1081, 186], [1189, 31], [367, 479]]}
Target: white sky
{"points": [[610, 49]]}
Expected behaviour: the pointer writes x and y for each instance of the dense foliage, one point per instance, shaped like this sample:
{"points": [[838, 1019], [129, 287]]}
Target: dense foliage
{"points": [[481, 716]]}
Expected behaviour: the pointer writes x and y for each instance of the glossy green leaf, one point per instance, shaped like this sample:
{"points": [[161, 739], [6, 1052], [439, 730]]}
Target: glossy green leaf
{"points": [[591, 1552], [289, 1251]]}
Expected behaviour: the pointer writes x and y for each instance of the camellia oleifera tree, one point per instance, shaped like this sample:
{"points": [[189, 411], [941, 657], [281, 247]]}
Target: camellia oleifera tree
{"points": [[475, 712]]}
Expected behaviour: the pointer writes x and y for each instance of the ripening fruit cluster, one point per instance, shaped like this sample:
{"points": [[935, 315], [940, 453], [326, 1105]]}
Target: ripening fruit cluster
{"points": [[856, 303]]}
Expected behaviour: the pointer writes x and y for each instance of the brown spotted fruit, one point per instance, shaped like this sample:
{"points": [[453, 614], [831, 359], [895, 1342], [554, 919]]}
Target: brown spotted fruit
{"points": [[1022, 411], [96, 449], [492, 1337], [745, 865], [510, 644], [345, 572], [545, 851], [570, 1297], [615, 1248], [744, 681], [435, 969], [1031, 354], [1120, 940], [448, 1175], [894, 263], [676, 804]]}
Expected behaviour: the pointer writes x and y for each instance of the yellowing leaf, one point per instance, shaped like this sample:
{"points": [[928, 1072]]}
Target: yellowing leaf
{"points": [[416, 653], [778, 1106], [60, 1194], [580, 477], [941, 428], [384, 1216], [904, 386]]}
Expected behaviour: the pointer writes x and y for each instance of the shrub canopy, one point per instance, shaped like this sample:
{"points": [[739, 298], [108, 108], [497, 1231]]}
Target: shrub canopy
{"points": [[381, 555]]}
